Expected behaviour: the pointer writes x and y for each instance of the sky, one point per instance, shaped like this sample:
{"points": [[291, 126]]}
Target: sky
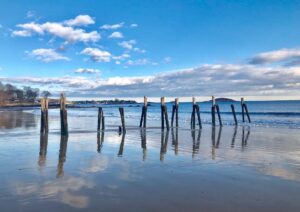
{"points": [[173, 48]]}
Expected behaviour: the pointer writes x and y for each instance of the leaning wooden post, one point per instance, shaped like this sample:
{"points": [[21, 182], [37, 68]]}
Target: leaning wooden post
{"points": [[243, 111], [100, 114], [121, 110], [213, 112], [166, 117], [219, 114], [234, 115], [46, 115], [63, 115], [176, 110], [162, 104]]}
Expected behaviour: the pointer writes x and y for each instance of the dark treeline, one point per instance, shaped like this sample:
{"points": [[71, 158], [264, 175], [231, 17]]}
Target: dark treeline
{"points": [[11, 93]]}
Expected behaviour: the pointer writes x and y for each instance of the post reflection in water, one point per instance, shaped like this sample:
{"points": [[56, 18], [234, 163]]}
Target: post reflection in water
{"points": [[143, 143], [234, 136], [164, 144], [43, 149], [62, 156], [175, 140], [120, 153], [245, 138], [213, 140], [196, 143], [100, 140]]}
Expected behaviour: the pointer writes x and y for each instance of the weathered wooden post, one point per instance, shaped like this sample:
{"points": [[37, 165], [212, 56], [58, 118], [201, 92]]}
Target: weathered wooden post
{"points": [[100, 114], [44, 115], [143, 121], [162, 103], [245, 109], [193, 121], [234, 115], [63, 115], [164, 114], [198, 116], [121, 110], [219, 114], [213, 111], [176, 110]]}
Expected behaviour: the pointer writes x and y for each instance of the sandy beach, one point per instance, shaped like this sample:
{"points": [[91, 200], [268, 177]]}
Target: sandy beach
{"points": [[244, 168]]}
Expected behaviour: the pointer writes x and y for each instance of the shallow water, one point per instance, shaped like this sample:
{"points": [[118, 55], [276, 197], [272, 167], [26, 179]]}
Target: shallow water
{"points": [[248, 168]]}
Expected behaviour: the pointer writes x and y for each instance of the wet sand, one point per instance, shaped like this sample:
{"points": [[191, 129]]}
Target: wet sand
{"points": [[214, 169]]}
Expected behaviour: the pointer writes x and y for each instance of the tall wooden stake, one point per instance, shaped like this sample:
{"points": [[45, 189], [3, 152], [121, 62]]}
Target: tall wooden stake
{"points": [[63, 115], [234, 115]]}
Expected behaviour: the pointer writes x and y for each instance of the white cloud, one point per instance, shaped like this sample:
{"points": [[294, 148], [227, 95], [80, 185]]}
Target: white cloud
{"points": [[282, 55], [139, 50], [57, 29], [80, 20], [97, 54], [121, 57], [116, 35], [113, 26], [30, 14], [167, 59], [127, 44], [47, 55], [133, 25], [87, 71]]}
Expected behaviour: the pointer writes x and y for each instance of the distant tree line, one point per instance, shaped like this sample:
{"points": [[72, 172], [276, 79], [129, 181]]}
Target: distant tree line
{"points": [[9, 92]]}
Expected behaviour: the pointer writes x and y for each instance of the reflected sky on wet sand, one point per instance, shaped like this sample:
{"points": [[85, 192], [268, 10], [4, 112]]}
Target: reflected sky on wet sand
{"points": [[218, 169]]}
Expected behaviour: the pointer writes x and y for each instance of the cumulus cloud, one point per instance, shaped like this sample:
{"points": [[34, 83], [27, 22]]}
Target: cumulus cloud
{"points": [[290, 56], [116, 35], [46, 55], [133, 25], [63, 30], [127, 44], [80, 20], [87, 71], [142, 61], [113, 26], [97, 55]]}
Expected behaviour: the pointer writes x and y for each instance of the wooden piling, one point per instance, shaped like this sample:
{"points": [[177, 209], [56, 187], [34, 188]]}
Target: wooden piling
{"points": [[143, 120], [198, 116], [247, 112], [162, 104], [63, 115], [121, 110], [243, 111], [44, 115], [219, 115], [166, 117], [193, 121], [173, 115], [213, 112], [176, 110], [100, 114], [233, 113]]}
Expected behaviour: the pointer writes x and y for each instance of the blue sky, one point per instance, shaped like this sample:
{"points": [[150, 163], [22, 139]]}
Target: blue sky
{"points": [[131, 48]]}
